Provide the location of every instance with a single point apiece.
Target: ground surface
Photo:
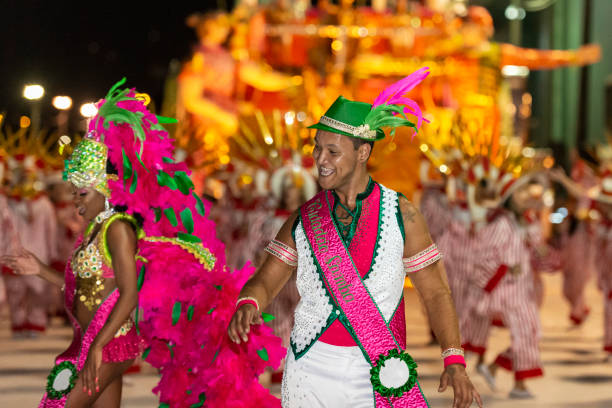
(575, 372)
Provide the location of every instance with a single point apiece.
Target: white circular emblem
(395, 373)
(62, 380)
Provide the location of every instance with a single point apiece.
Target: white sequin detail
(314, 307)
(386, 279)
(385, 282)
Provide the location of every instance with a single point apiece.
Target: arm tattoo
(410, 213)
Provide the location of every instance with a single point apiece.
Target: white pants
(327, 377)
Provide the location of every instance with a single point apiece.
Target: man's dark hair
(358, 142)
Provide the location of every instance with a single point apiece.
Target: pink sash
(346, 288)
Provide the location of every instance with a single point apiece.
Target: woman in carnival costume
(148, 273)
(352, 245)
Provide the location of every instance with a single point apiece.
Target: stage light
(62, 102)
(89, 110)
(33, 92)
(290, 118)
(515, 71)
(529, 152)
(515, 13)
(24, 122)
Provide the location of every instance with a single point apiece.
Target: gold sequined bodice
(87, 265)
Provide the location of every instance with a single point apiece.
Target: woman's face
(87, 201)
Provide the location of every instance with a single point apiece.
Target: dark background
(80, 49)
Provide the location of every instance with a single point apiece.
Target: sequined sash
(346, 287)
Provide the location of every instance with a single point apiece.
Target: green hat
(346, 117)
(365, 121)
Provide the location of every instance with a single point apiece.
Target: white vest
(385, 281)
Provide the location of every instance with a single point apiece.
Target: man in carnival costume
(352, 245)
(147, 273)
(495, 263)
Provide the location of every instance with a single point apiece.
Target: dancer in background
(33, 218)
(500, 285)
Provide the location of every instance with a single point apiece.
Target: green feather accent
(145, 353)
(267, 317)
(187, 220)
(164, 179)
(163, 119)
(134, 183)
(176, 312)
(141, 276)
(141, 162)
(168, 159)
(127, 166)
(390, 116)
(164, 405)
(263, 354)
(199, 204)
(190, 311)
(171, 348)
(110, 112)
(158, 213)
(171, 216)
(183, 182)
(200, 403)
(188, 238)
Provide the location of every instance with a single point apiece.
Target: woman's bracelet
(247, 300)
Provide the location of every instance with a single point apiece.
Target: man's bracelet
(452, 351)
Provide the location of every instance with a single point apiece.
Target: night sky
(80, 48)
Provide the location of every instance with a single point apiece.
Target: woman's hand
(22, 263)
(241, 322)
(464, 391)
(90, 373)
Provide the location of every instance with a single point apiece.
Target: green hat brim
(379, 133)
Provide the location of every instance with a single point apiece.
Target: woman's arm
(432, 285)
(122, 243)
(26, 263)
(264, 285)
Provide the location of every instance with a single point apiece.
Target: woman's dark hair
(112, 170)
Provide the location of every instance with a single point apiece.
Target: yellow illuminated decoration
(145, 98)
(287, 59)
(24, 122)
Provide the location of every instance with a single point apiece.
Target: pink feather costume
(186, 293)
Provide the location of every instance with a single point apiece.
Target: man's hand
(465, 393)
(240, 326)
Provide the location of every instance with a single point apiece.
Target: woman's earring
(106, 205)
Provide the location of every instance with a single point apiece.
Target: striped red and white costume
(543, 257)
(459, 259)
(604, 257)
(28, 295)
(497, 289)
(578, 248)
(436, 211)
(578, 258)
